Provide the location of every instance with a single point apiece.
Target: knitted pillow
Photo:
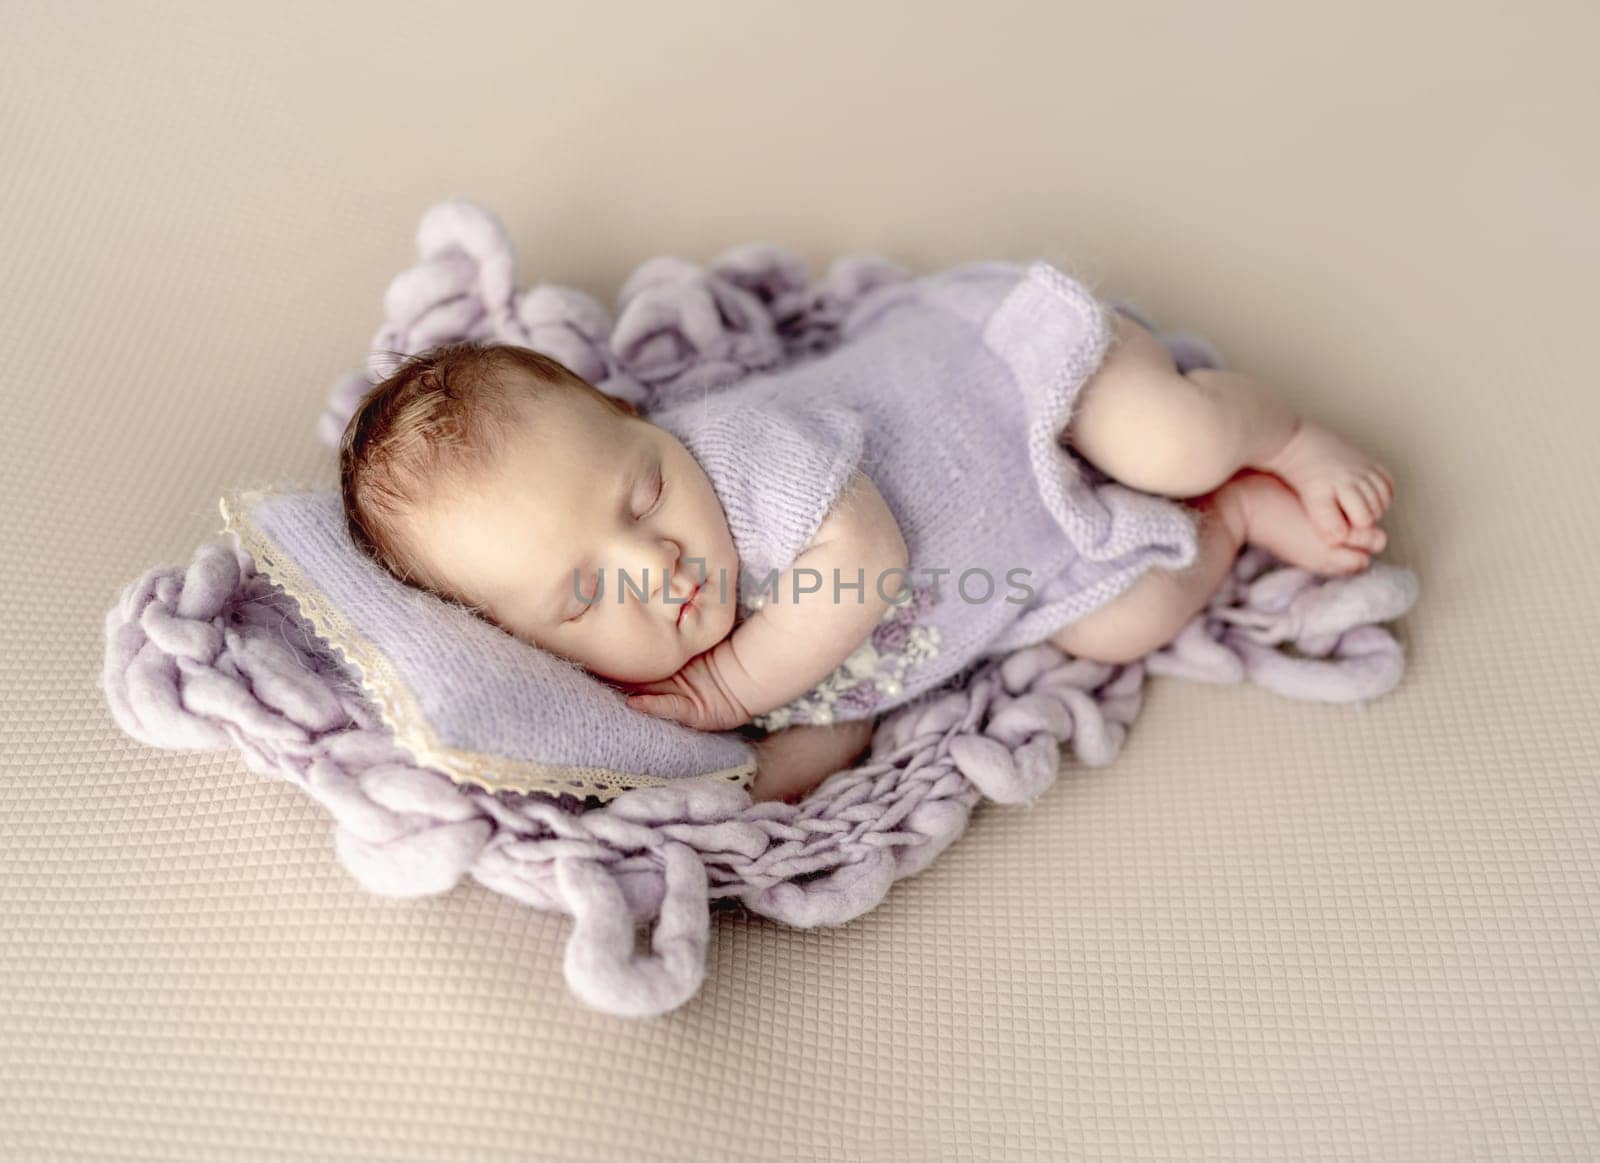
(463, 696)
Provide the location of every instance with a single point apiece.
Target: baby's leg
(1253, 507)
(1153, 428)
(793, 761)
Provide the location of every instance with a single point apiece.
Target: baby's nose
(673, 580)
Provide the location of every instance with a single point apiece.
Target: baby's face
(581, 487)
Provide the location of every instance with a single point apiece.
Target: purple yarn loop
(212, 655)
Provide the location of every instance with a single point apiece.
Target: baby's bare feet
(1271, 515)
(1344, 490)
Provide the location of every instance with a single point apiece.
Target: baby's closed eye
(584, 590)
(583, 600)
(656, 489)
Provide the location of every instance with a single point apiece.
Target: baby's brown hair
(441, 415)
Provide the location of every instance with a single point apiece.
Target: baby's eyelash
(583, 608)
(661, 489)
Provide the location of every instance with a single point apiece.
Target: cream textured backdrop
(1271, 930)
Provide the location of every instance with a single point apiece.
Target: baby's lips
(681, 601)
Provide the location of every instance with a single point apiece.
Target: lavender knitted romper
(949, 392)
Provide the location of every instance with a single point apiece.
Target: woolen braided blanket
(213, 655)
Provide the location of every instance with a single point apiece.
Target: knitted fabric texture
(461, 695)
(214, 654)
(949, 392)
(777, 466)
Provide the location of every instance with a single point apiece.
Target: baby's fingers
(664, 706)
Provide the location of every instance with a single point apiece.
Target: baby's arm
(791, 643)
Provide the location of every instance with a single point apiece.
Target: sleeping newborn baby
(495, 477)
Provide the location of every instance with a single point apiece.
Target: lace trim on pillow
(395, 703)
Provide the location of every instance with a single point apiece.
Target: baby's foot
(1345, 490)
(1273, 517)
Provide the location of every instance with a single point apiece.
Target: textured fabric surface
(777, 463)
(956, 421)
(202, 655)
(461, 695)
(1269, 930)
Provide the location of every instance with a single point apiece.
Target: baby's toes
(1346, 560)
(1384, 484)
(1372, 489)
(1372, 539)
(1356, 502)
(1326, 515)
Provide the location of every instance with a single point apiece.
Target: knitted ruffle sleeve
(777, 465)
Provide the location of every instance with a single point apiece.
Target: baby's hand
(697, 696)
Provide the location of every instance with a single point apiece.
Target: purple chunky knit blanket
(213, 655)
